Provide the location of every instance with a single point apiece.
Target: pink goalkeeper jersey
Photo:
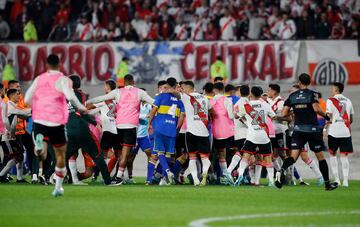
(222, 125)
(128, 107)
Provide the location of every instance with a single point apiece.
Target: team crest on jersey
(329, 71)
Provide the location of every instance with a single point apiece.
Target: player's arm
(352, 112)
(4, 116)
(229, 107)
(145, 97)
(21, 113)
(113, 95)
(30, 92)
(182, 115)
(64, 85)
(319, 111)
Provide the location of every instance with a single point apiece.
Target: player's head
(219, 88)
(53, 62)
(273, 90)
(171, 83)
(208, 89)
(219, 58)
(129, 79)
(218, 79)
(109, 86)
(13, 95)
(76, 81)
(161, 86)
(337, 88)
(256, 92)
(244, 90)
(188, 86)
(304, 80)
(230, 89)
(14, 84)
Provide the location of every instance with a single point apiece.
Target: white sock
(205, 165)
(242, 167)
(8, 166)
(223, 166)
(334, 168)
(258, 169)
(252, 174)
(187, 172)
(345, 165)
(73, 170)
(120, 172)
(193, 171)
(314, 168)
(20, 171)
(270, 171)
(277, 164)
(234, 162)
(40, 171)
(59, 177)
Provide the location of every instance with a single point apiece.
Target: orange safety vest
(21, 125)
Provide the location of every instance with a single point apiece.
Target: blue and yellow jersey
(168, 112)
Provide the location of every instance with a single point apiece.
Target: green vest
(30, 33)
(218, 68)
(122, 70)
(8, 73)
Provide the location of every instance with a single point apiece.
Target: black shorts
(279, 141)
(240, 143)
(199, 144)
(252, 148)
(127, 137)
(224, 143)
(109, 140)
(55, 135)
(12, 150)
(180, 145)
(343, 144)
(315, 140)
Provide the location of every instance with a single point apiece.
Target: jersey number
(258, 117)
(343, 108)
(172, 110)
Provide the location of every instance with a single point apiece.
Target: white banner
(260, 61)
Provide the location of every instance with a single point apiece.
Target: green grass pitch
(140, 205)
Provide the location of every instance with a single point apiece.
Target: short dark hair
(218, 78)
(244, 90)
(339, 86)
(208, 87)
(229, 87)
(161, 83)
(11, 82)
(11, 92)
(219, 86)
(128, 78)
(53, 60)
(111, 84)
(219, 58)
(319, 95)
(171, 81)
(256, 91)
(189, 83)
(275, 87)
(76, 80)
(305, 79)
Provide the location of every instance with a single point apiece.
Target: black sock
(288, 162)
(324, 169)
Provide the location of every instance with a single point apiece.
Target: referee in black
(305, 105)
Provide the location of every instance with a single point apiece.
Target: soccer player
(10, 144)
(341, 111)
(208, 90)
(161, 86)
(197, 111)
(304, 103)
(128, 100)
(222, 127)
(240, 127)
(47, 95)
(166, 118)
(257, 138)
(80, 136)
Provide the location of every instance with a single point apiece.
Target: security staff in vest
(218, 69)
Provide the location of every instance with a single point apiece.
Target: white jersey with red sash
(85, 31)
(277, 105)
(197, 113)
(197, 30)
(227, 25)
(341, 108)
(181, 32)
(255, 113)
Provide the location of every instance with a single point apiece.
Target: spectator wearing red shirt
(63, 13)
(123, 12)
(166, 28)
(334, 16)
(338, 31)
(211, 33)
(16, 10)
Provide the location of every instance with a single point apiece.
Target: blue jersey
(234, 99)
(168, 112)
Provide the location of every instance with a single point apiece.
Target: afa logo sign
(329, 71)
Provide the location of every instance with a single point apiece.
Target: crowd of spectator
(146, 20)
